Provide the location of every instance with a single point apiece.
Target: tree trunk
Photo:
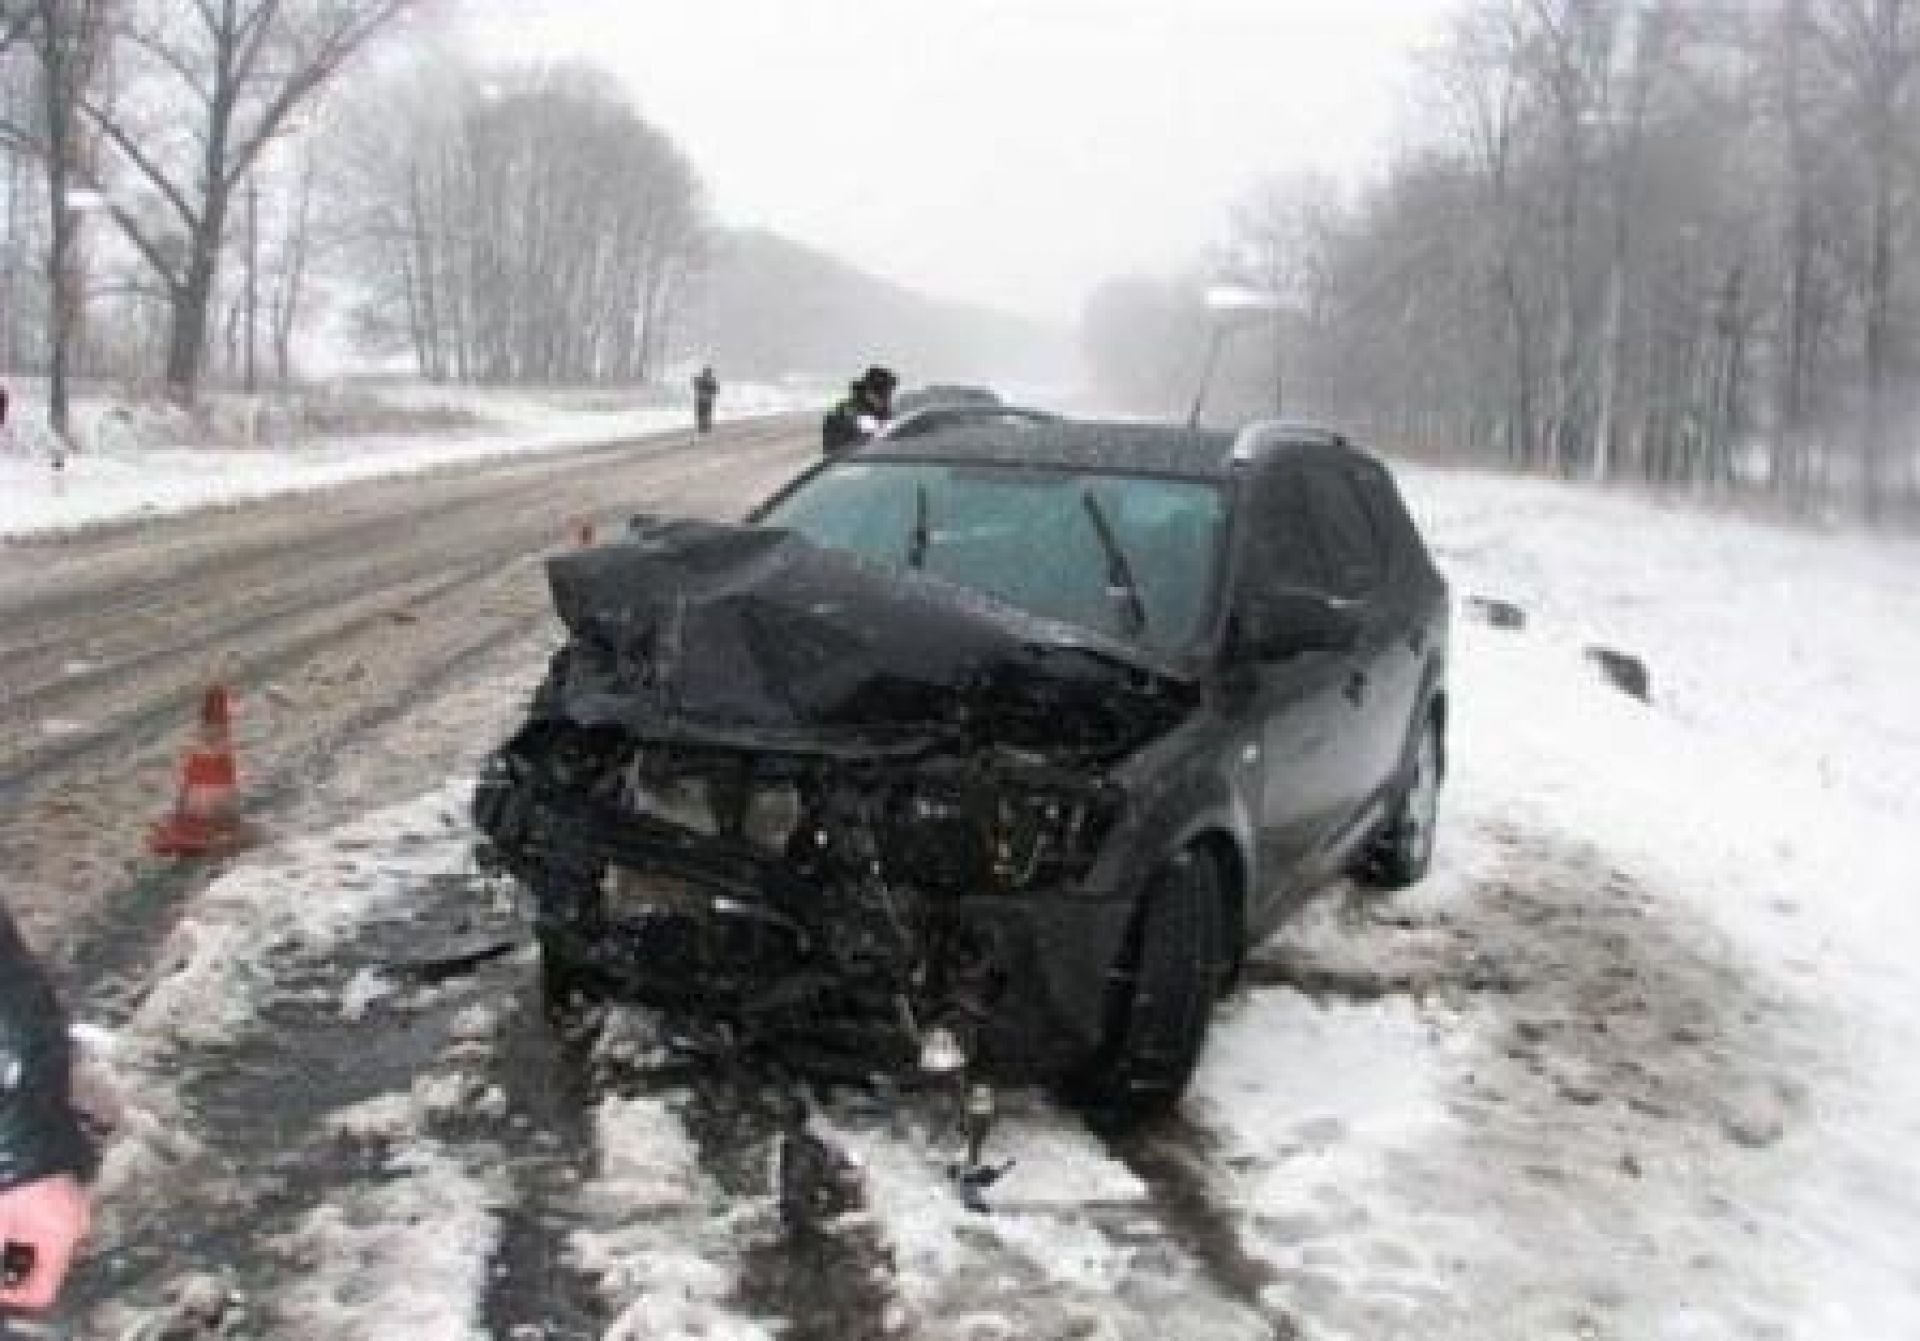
(61, 300)
(61, 60)
(1888, 65)
(1875, 425)
(192, 296)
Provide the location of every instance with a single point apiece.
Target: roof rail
(936, 417)
(1263, 435)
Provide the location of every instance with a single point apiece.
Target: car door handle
(1356, 687)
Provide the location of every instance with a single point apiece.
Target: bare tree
(64, 37)
(525, 227)
(292, 269)
(1480, 77)
(208, 84)
(1875, 45)
(1282, 241)
(1654, 235)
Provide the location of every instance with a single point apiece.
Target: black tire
(1402, 854)
(1164, 990)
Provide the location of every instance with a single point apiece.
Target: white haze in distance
(1011, 152)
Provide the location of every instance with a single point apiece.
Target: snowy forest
(1665, 240)
(185, 179)
(1671, 240)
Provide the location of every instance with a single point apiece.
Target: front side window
(1283, 548)
(1134, 557)
(1355, 562)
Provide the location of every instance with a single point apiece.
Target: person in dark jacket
(706, 390)
(867, 407)
(44, 1154)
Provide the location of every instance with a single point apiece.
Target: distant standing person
(865, 411)
(43, 1152)
(706, 390)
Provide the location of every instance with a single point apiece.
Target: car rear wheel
(1403, 853)
(1163, 992)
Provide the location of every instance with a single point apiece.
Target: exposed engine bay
(818, 902)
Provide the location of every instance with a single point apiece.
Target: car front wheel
(1163, 992)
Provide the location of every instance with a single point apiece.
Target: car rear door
(1383, 666)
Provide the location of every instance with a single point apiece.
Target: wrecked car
(992, 748)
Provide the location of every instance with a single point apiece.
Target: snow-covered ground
(140, 461)
(1765, 800)
(1637, 1061)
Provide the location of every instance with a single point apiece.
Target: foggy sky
(1012, 152)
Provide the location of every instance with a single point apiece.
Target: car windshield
(1131, 556)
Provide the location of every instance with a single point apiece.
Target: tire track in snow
(534, 1282)
(111, 950)
(820, 1268)
(1171, 1157)
(75, 824)
(1534, 1050)
(1072, 1245)
(301, 1167)
(336, 593)
(809, 1265)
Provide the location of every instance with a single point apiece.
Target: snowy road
(335, 614)
(1605, 1075)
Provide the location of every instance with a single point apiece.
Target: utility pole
(1279, 362)
(253, 283)
(10, 292)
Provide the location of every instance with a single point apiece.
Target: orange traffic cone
(206, 812)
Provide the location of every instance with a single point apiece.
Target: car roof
(1126, 446)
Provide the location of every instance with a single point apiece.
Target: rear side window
(1391, 518)
(1353, 551)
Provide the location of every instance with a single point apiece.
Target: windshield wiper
(922, 529)
(1120, 580)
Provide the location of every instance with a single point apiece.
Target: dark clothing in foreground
(40, 1134)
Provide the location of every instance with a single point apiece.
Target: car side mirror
(1277, 623)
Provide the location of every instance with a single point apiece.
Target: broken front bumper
(823, 947)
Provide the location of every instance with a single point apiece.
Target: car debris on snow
(1497, 613)
(1624, 671)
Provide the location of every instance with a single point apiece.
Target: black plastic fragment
(1624, 672)
(458, 963)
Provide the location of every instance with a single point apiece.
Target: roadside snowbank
(138, 464)
(1767, 796)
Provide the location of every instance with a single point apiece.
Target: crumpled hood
(754, 636)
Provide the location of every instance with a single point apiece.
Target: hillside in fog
(770, 307)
